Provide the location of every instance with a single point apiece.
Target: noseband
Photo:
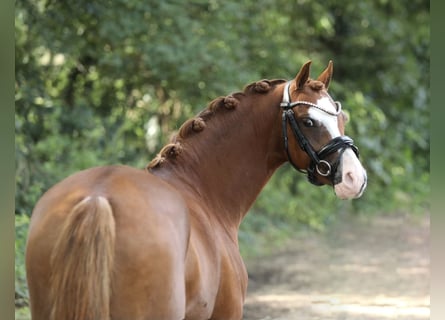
(318, 163)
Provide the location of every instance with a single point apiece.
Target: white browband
(286, 104)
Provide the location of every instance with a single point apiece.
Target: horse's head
(318, 145)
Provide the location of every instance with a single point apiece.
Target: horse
(161, 242)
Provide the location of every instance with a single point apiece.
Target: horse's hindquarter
(168, 260)
(152, 230)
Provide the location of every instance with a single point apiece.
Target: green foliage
(107, 82)
(21, 230)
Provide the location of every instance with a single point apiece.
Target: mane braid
(200, 122)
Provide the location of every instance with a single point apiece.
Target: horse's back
(151, 235)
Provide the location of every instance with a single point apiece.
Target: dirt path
(361, 269)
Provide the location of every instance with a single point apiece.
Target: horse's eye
(308, 122)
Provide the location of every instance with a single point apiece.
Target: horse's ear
(303, 75)
(326, 75)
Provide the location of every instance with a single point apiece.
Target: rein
(318, 165)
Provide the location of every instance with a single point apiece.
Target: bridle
(318, 163)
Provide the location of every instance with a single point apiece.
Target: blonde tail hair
(82, 262)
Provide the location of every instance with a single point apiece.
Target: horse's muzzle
(353, 177)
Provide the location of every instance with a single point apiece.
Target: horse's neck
(227, 164)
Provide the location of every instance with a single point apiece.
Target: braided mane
(198, 123)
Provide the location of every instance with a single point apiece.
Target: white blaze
(329, 121)
(353, 174)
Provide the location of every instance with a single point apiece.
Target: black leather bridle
(318, 163)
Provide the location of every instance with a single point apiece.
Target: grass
(22, 313)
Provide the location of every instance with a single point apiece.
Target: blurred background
(107, 82)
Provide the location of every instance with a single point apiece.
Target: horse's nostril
(349, 178)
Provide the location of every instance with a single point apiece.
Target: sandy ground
(362, 268)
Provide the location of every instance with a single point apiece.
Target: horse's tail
(82, 262)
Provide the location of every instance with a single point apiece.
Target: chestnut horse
(116, 242)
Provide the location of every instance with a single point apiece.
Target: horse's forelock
(316, 85)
